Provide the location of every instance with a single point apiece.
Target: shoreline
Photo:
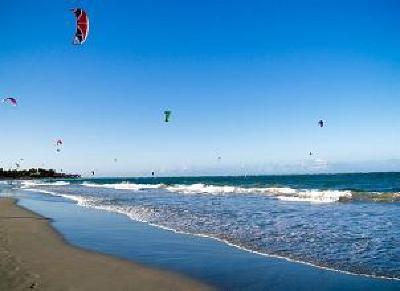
(204, 259)
(226, 242)
(37, 256)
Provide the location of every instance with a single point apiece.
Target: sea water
(344, 222)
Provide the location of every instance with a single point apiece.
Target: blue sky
(245, 80)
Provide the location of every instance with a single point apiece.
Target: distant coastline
(34, 173)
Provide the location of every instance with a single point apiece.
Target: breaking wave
(26, 184)
(286, 194)
(134, 212)
(124, 186)
(282, 193)
(318, 196)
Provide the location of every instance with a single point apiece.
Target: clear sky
(245, 80)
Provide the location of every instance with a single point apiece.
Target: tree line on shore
(34, 173)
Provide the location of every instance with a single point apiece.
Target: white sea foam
(317, 196)
(215, 189)
(80, 200)
(124, 186)
(281, 193)
(134, 212)
(26, 184)
(201, 188)
(192, 188)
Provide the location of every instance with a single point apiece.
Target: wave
(376, 196)
(26, 184)
(216, 189)
(133, 212)
(286, 194)
(124, 186)
(317, 196)
(80, 200)
(282, 193)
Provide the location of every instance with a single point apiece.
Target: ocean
(344, 222)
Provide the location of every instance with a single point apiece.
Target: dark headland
(33, 173)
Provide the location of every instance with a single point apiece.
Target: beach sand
(33, 255)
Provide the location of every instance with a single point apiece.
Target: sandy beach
(34, 255)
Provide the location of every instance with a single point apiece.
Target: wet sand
(34, 256)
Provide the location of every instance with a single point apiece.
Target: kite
(321, 123)
(167, 114)
(82, 26)
(59, 143)
(10, 100)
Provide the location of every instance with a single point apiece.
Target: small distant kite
(115, 160)
(321, 123)
(93, 173)
(10, 100)
(167, 115)
(310, 154)
(82, 26)
(219, 158)
(59, 143)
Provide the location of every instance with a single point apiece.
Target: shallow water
(205, 259)
(347, 222)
